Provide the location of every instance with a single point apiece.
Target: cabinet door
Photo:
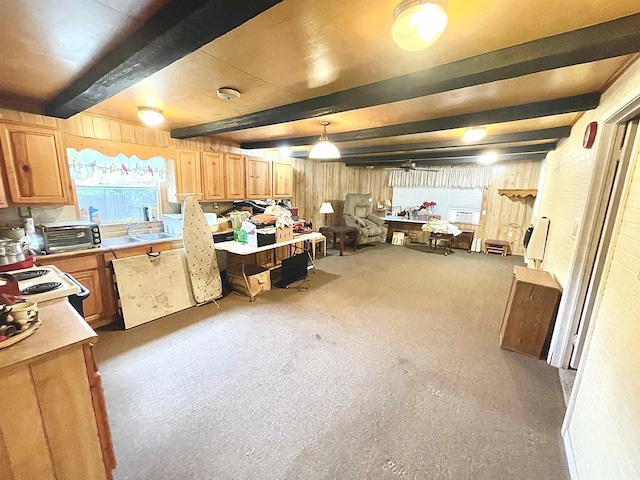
(258, 178)
(282, 179)
(92, 305)
(213, 175)
(188, 173)
(36, 165)
(235, 181)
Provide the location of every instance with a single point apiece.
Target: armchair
(358, 213)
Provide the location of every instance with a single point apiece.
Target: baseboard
(571, 461)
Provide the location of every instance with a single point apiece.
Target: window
(454, 204)
(119, 188)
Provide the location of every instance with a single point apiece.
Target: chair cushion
(374, 231)
(368, 223)
(360, 222)
(375, 219)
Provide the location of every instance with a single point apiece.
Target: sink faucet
(131, 228)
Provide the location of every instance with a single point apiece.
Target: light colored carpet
(387, 368)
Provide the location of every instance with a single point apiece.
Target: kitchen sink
(157, 236)
(112, 242)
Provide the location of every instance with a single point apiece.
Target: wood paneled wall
(505, 214)
(315, 182)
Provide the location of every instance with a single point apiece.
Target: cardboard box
(284, 234)
(259, 279)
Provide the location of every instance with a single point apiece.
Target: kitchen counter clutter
(57, 426)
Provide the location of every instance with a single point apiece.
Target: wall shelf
(517, 192)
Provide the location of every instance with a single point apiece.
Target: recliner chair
(358, 213)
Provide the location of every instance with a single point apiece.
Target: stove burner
(30, 274)
(40, 288)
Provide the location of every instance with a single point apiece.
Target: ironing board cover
(200, 253)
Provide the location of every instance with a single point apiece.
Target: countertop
(61, 327)
(105, 249)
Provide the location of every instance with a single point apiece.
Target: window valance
(451, 177)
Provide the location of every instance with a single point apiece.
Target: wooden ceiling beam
(454, 160)
(598, 42)
(176, 30)
(467, 152)
(556, 106)
(556, 133)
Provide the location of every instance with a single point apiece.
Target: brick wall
(604, 429)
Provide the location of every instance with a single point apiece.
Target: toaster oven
(67, 236)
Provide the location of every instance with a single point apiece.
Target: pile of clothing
(274, 215)
(441, 226)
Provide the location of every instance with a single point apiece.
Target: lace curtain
(451, 177)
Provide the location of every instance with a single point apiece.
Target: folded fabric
(441, 226)
(283, 216)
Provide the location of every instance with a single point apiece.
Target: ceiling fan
(411, 166)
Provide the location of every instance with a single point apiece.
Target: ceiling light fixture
(418, 23)
(487, 158)
(150, 116)
(227, 93)
(324, 149)
(474, 134)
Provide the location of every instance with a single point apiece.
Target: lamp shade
(326, 208)
(324, 149)
(150, 116)
(418, 23)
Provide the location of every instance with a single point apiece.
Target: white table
(237, 248)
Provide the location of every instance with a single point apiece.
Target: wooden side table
(464, 240)
(316, 239)
(445, 238)
(343, 233)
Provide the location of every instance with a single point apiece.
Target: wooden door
(282, 179)
(213, 175)
(235, 176)
(92, 305)
(258, 178)
(36, 165)
(188, 173)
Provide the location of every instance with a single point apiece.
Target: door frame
(588, 237)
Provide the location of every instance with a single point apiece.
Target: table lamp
(326, 208)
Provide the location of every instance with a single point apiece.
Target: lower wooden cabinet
(54, 423)
(93, 270)
(530, 313)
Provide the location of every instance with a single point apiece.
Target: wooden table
(464, 240)
(444, 237)
(343, 233)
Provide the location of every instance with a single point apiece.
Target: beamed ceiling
(525, 70)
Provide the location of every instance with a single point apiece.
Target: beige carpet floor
(387, 368)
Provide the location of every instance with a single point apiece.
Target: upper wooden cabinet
(258, 178)
(213, 170)
(36, 165)
(188, 173)
(235, 176)
(282, 179)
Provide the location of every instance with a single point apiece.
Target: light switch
(510, 234)
(484, 212)
(574, 232)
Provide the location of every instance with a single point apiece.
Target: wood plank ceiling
(524, 70)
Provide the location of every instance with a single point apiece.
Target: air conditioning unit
(464, 217)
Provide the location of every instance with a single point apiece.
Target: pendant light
(474, 134)
(150, 116)
(324, 149)
(418, 23)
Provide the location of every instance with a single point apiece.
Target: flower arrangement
(427, 208)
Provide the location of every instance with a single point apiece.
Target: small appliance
(67, 236)
(39, 284)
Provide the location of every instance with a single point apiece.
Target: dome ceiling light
(150, 116)
(229, 94)
(418, 23)
(324, 149)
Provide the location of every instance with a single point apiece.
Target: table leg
(342, 236)
(246, 281)
(324, 243)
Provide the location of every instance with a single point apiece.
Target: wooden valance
(518, 192)
(113, 149)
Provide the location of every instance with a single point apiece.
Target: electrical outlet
(484, 212)
(510, 234)
(574, 232)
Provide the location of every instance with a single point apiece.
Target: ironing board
(200, 253)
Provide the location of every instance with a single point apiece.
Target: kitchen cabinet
(258, 178)
(35, 163)
(282, 179)
(188, 174)
(235, 176)
(85, 269)
(57, 427)
(530, 312)
(213, 173)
